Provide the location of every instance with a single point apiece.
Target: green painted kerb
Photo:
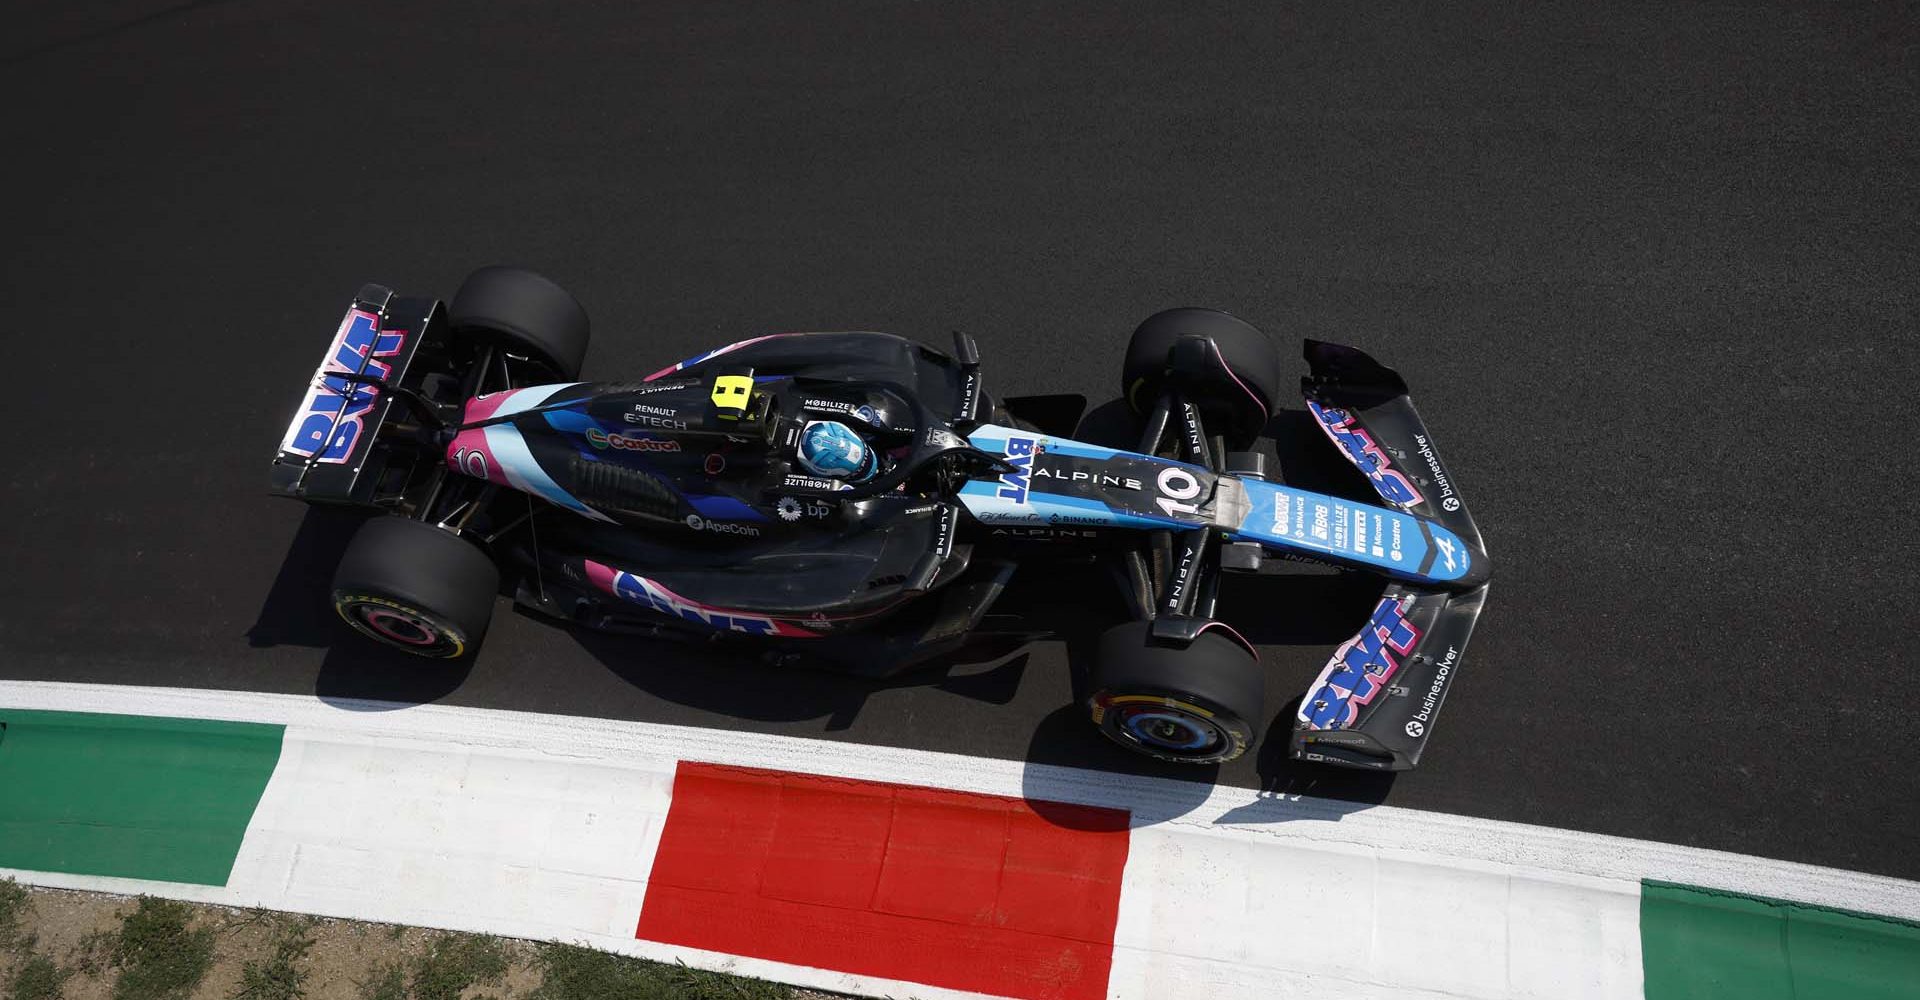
(128, 795)
(1698, 944)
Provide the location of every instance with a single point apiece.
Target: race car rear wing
(1374, 703)
(328, 453)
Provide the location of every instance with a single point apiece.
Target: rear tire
(416, 587)
(1191, 705)
(1238, 406)
(525, 313)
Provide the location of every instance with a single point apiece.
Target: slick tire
(1193, 705)
(416, 587)
(1240, 402)
(527, 314)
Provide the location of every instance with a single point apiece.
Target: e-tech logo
(626, 442)
(1013, 485)
(330, 421)
(641, 590)
(1361, 667)
(1366, 456)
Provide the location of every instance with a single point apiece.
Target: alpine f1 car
(861, 498)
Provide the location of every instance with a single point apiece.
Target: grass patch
(453, 963)
(386, 981)
(571, 972)
(159, 954)
(280, 977)
(13, 904)
(38, 978)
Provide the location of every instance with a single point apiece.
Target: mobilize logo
(627, 442)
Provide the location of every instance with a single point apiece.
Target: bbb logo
(1361, 667)
(1013, 485)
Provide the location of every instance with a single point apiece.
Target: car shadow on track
(729, 679)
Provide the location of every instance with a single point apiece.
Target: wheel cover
(1171, 729)
(399, 625)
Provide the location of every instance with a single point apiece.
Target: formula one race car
(862, 499)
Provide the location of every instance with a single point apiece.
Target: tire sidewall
(417, 574)
(525, 312)
(1247, 400)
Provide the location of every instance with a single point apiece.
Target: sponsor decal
(698, 523)
(1430, 703)
(1181, 577)
(1361, 667)
(969, 393)
(819, 484)
(656, 422)
(1445, 547)
(628, 442)
(1190, 423)
(795, 508)
(943, 534)
(1013, 485)
(1389, 482)
(641, 590)
(858, 411)
(818, 622)
(1448, 501)
(658, 411)
(333, 416)
(1045, 534)
(1075, 475)
(715, 464)
(1075, 519)
(1415, 727)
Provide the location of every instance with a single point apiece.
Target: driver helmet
(832, 449)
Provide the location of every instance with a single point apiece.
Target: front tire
(1192, 705)
(526, 313)
(1241, 402)
(416, 587)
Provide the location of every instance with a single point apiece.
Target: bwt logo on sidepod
(1388, 481)
(641, 590)
(330, 422)
(1360, 668)
(1013, 485)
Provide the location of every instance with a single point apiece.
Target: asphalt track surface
(1650, 270)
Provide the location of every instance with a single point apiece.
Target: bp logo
(1414, 728)
(789, 509)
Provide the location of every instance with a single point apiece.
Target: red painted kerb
(970, 892)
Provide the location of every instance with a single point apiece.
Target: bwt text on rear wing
(328, 452)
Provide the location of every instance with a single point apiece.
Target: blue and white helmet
(832, 449)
